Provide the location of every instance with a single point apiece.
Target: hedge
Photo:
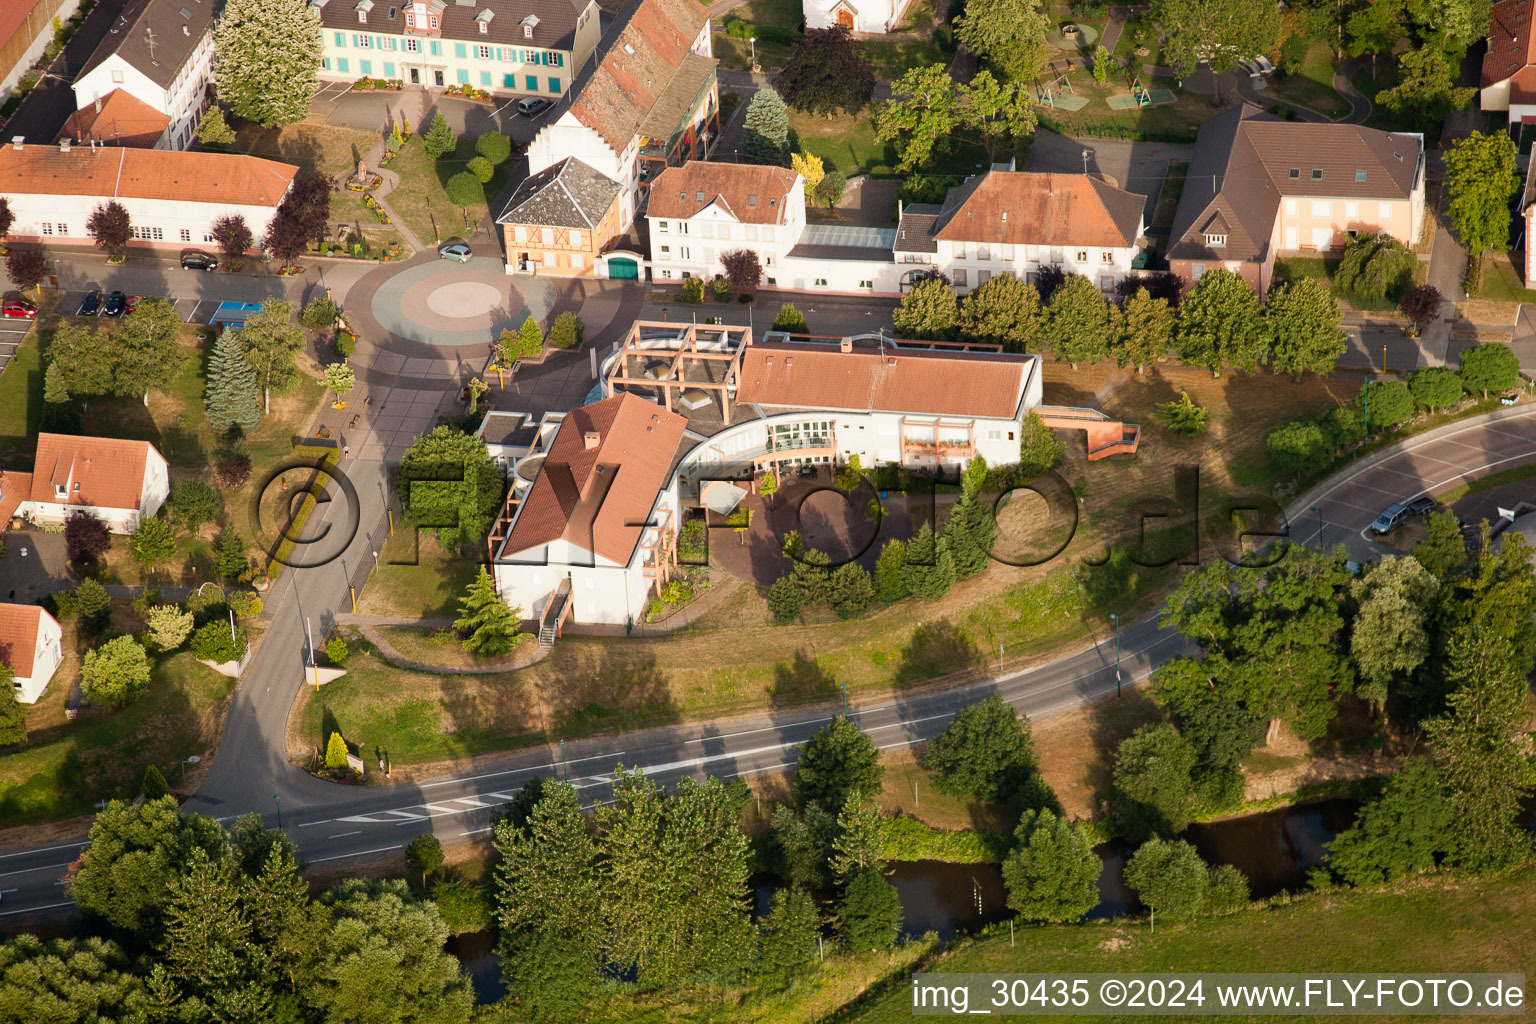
(910, 839)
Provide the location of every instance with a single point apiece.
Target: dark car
(91, 304)
(1423, 505)
(1393, 515)
(196, 259)
(114, 305)
(19, 309)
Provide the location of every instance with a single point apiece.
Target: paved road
(335, 823)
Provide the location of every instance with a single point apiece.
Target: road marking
(514, 771)
(9, 890)
(476, 831)
(195, 306)
(33, 910)
(343, 835)
(45, 849)
(360, 853)
(28, 871)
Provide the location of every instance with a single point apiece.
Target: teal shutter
(458, 50)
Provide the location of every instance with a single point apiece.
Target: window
(208, 238)
(554, 85)
(578, 261)
(482, 50)
(1351, 211)
(341, 40)
(362, 17)
(666, 251)
(751, 232)
(463, 76)
(186, 235)
(1317, 174)
(1359, 175)
(410, 20)
(821, 282)
(1106, 257)
(666, 273)
(435, 48)
(509, 81)
(533, 83)
(548, 235)
(485, 79)
(960, 279)
(1082, 255)
(682, 251)
(389, 69)
(867, 284)
(1294, 174)
(432, 21)
(1322, 209)
(459, 50)
(1007, 252)
(484, 28)
(661, 226)
(413, 46)
(362, 42)
(511, 55)
(983, 276)
(575, 237)
(47, 228)
(148, 234)
(117, 76)
(983, 251)
(527, 31)
(1197, 271)
(706, 231)
(365, 67)
(1057, 254)
(1216, 241)
(1384, 211)
(959, 250)
(520, 234)
(1292, 208)
(341, 64)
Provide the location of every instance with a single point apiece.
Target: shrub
(790, 319)
(567, 331)
(115, 673)
(721, 289)
(319, 312)
(234, 470)
(1299, 448)
(213, 642)
(481, 168)
(346, 344)
(336, 651)
(693, 290)
(193, 503)
(154, 786)
(784, 599)
(464, 907)
(1184, 417)
(245, 604)
(336, 751)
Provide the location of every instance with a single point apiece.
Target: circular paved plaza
(457, 304)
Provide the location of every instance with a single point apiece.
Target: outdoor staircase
(554, 613)
(1105, 436)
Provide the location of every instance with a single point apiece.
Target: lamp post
(564, 768)
(1085, 161)
(277, 799)
(1116, 620)
(844, 687)
(194, 759)
(1314, 508)
(753, 41)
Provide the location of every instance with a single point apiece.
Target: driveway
(1136, 166)
(370, 109)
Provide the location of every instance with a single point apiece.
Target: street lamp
(1116, 620)
(277, 799)
(194, 759)
(1085, 161)
(753, 41)
(844, 687)
(1314, 508)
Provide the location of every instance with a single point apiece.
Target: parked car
(455, 251)
(196, 259)
(91, 305)
(1393, 515)
(114, 304)
(532, 106)
(19, 309)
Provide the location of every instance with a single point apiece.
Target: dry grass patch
(313, 145)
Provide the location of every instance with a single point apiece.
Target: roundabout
(454, 305)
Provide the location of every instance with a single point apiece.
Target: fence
(1079, 130)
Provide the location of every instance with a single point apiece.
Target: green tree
(850, 590)
(990, 28)
(1077, 320)
(213, 131)
(787, 947)
(1390, 636)
(114, 674)
(268, 52)
(1299, 448)
(1184, 417)
(1480, 179)
(1375, 28)
(1154, 785)
(84, 356)
(92, 603)
(271, 341)
(1402, 831)
(153, 784)
(384, 960)
(986, 752)
(464, 190)
(67, 981)
(1000, 114)
(567, 331)
(1490, 366)
(13, 714)
(1219, 32)
(928, 311)
(1052, 874)
(1374, 267)
(859, 840)
(1302, 322)
(1385, 403)
(1426, 92)
(319, 313)
(153, 542)
(284, 924)
(765, 129)
(889, 580)
(208, 948)
(1040, 450)
(232, 397)
(134, 854)
(971, 531)
(921, 116)
(490, 627)
(1435, 387)
(448, 483)
(193, 503)
(59, 413)
(495, 147)
(1220, 323)
(229, 556)
(1004, 311)
(785, 599)
(438, 141)
(252, 844)
(826, 73)
(336, 751)
(929, 569)
(1169, 877)
(147, 356)
(869, 914)
(837, 761)
(1141, 330)
(790, 319)
(214, 641)
(801, 844)
(424, 855)
(1442, 551)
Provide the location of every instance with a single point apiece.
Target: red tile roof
(597, 498)
(15, 488)
(18, 636)
(753, 193)
(121, 119)
(1510, 41)
(930, 382)
(104, 472)
(1025, 207)
(125, 173)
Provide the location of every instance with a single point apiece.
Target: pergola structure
(675, 361)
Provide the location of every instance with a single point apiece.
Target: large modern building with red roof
(172, 197)
(31, 644)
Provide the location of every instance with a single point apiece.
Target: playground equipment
(1139, 92)
(1058, 81)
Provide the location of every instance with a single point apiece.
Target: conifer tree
(336, 751)
(491, 627)
(929, 568)
(971, 532)
(233, 397)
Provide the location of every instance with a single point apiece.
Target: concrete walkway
(399, 660)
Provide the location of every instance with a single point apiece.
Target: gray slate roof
(556, 28)
(914, 232)
(162, 21)
(569, 194)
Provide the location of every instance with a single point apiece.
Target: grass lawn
(1292, 268)
(441, 646)
(1501, 280)
(21, 404)
(422, 580)
(1174, 121)
(736, 54)
(1437, 923)
(735, 662)
(1313, 85)
(893, 58)
(312, 145)
(65, 767)
(848, 143)
(421, 200)
(1168, 198)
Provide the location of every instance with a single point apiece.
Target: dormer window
(1216, 241)
(484, 28)
(751, 200)
(529, 24)
(410, 20)
(698, 197)
(432, 21)
(362, 17)
(527, 31)
(60, 491)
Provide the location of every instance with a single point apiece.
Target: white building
(855, 15)
(31, 644)
(119, 481)
(592, 519)
(646, 101)
(153, 68)
(700, 211)
(1015, 222)
(172, 197)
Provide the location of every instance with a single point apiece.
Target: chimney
(846, 345)
(591, 439)
(17, 140)
(98, 104)
(63, 145)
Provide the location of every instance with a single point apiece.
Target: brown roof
(1242, 167)
(1510, 41)
(124, 173)
(18, 636)
(752, 193)
(105, 472)
(598, 498)
(120, 118)
(555, 28)
(15, 488)
(155, 37)
(645, 49)
(924, 381)
(1025, 207)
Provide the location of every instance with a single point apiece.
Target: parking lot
(191, 310)
(11, 333)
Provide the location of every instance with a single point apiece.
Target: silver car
(456, 251)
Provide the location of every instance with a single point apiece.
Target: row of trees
(1218, 323)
